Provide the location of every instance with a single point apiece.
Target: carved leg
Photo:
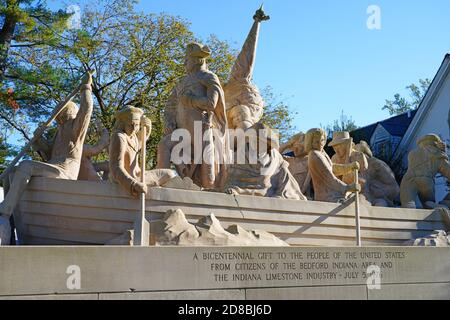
(164, 153)
(20, 180)
(408, 194)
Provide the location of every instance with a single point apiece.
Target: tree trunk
(6, 35)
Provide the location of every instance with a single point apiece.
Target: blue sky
(321, 57)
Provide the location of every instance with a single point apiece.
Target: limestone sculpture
(345, 157)
(124, 153)
(438, 238)
(381, 187)
(5, 231)
(327, 187)
(429, 159)
(244, 103)
(88, 169)
(66, 150)
(198, 98)
(175, 230)
(298, 164)
(269, 176)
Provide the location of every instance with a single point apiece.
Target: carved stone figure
(124, 153)
(65, 152)
(446, 201)
(88, 169)
(327, 187)
(381, 188)
(438, 238)
(429, 159)
(345, 157)
(244, 103)
(5, 231)
(197, 98)
(298, 164)
(269, 176)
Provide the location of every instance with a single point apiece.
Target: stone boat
(62, 212)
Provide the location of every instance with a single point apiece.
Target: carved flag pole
(142, 238)
(357, 218)
(58, 109)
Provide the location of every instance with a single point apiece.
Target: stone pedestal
(224, 273)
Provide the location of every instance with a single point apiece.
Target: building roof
(425, 105)
(396, 126)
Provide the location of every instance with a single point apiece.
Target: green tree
(26, 24)
(344, 123)
(137, 57)
(3, 155)
(401, 105)
(277, 114)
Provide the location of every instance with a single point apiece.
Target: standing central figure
(197, 101)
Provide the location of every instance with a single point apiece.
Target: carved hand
(231, 191)
(354, 187)
(260, 15)
(147, 123)
(138, 188)
(355, 165)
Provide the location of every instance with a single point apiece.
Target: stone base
(224, 273)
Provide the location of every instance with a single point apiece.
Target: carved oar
(58, 109)
(141, 224)
(357, 219)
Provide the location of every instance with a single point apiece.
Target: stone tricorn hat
(339, 137)
(197, 50)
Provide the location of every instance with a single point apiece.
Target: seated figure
(327, 187)
(124, 150)
(65, 152)
(269, 176)
(298, 164)
(89, 170)
(345, 157)
(381, 188)
(429, 159)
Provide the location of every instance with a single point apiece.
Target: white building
(432, 116)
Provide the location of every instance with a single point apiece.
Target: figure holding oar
(66, 150)
(347, 159)
(131, 132)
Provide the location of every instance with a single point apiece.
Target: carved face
(318, 141)
(298, 147)
(192, 64)
(132, 127)
(237, 117)
(340, 149)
